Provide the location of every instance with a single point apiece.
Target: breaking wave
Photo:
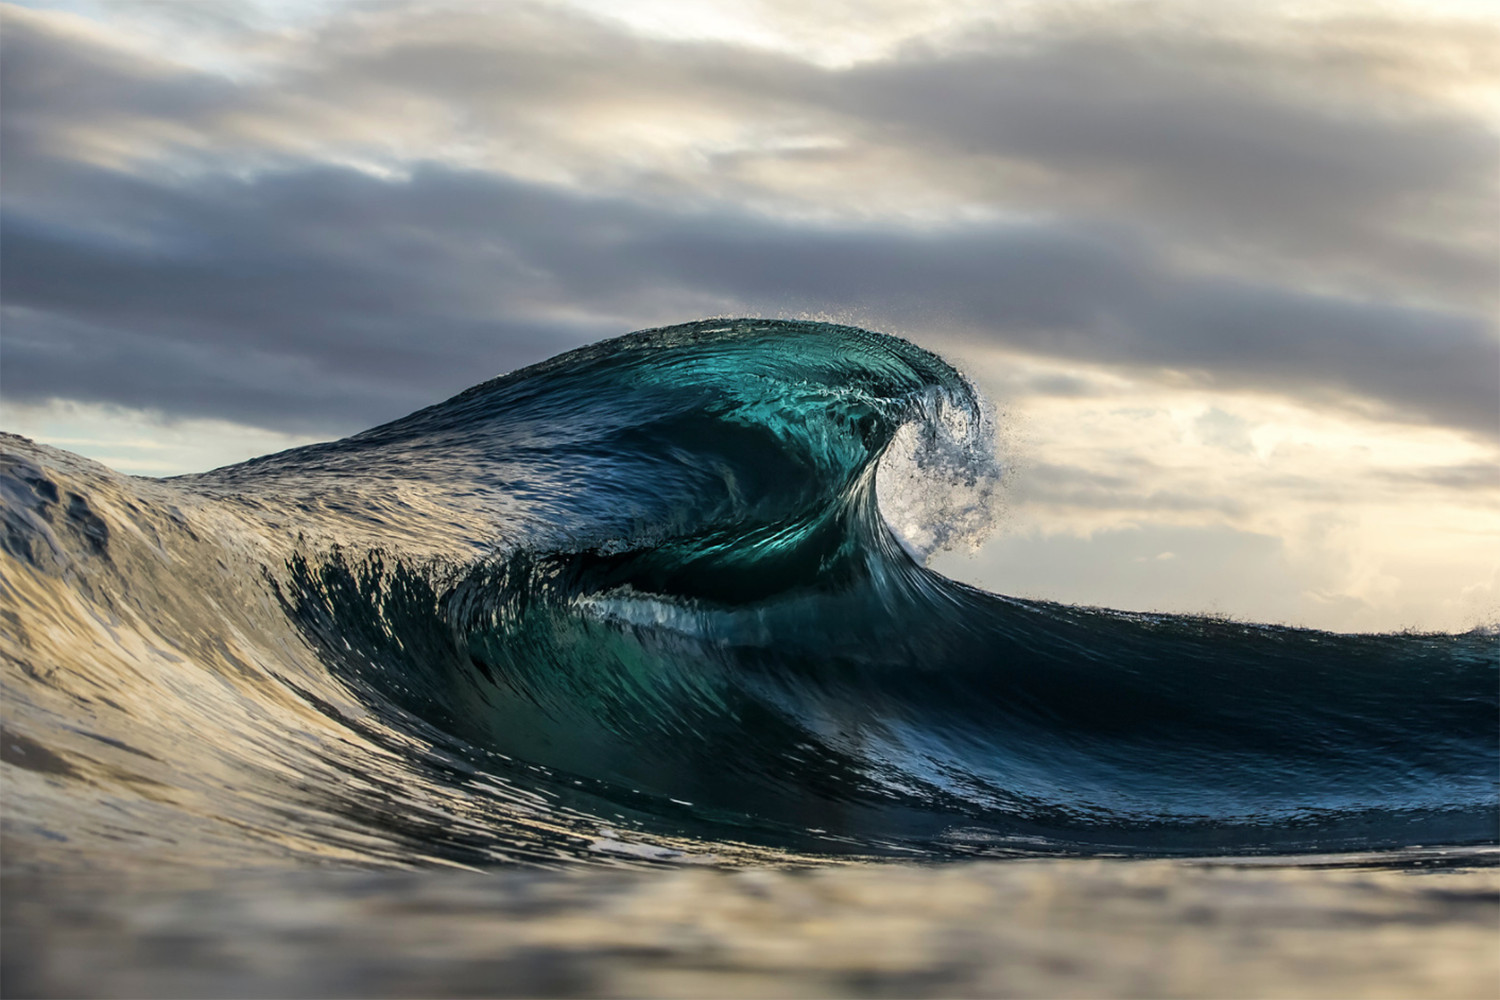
(642, 601)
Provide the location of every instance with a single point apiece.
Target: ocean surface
(662, 602)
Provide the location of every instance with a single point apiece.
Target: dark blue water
(644, 593)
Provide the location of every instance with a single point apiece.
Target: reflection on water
(990, 929)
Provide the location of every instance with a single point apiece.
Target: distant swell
(641, 600)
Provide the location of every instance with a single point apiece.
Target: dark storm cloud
(176, 240)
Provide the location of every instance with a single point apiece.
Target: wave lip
(650, 584)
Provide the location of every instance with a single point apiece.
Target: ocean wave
(664, 598)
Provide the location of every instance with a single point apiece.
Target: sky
(1229, 273)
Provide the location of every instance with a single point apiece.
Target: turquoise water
(643, 601)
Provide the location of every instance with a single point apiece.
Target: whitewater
(643, 605)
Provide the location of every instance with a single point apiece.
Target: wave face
(641, 600)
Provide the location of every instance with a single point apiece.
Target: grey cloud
(293, 292)
(1270, 152)
(417, 282)
(52, 356)
(1153, 123)
(290, 303)
(1475, 476)
(54, 82)
(1063, 486)
(1056, 386)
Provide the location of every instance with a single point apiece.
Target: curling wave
(641, 599)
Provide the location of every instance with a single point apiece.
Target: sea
(625, 674)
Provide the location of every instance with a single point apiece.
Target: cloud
(282, 302)
(389, 203)
(418, 284)
(1482, 477)
(1252, 140)
(1056, 486)
(1299, 145)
